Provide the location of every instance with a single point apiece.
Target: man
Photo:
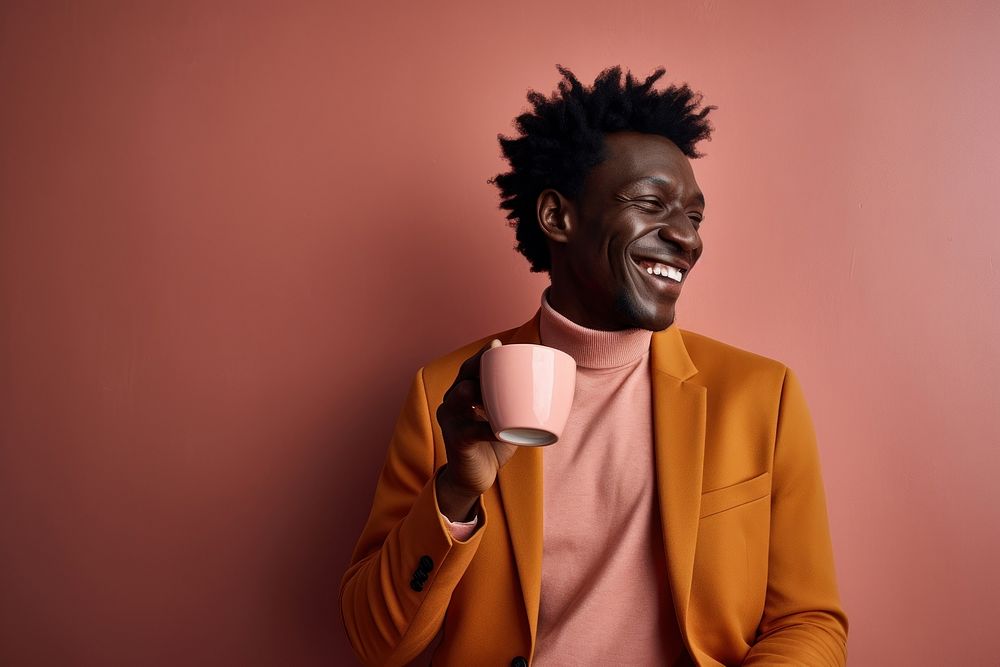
(681, 517)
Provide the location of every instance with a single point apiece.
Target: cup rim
(547, 347)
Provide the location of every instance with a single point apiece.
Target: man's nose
(680, 233)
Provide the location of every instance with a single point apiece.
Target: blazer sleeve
(406, 564)
(803, 622)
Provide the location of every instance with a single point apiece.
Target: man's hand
(474, 455)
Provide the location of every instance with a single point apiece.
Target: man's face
(634, 234)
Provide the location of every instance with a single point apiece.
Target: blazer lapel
(520, 482)
(679, 412)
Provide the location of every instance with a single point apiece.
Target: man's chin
(640, 314)
(657, 323)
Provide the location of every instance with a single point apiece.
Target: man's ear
(556, 215)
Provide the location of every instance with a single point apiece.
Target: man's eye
(648, 205)
(696, 219)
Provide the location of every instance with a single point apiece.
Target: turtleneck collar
(591, 348)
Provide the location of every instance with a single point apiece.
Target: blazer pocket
(734, 495)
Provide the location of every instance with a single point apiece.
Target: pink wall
(229, 237)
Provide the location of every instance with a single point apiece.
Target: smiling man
(680, 519)
(621, 253)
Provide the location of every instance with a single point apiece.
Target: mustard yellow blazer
(747, 545)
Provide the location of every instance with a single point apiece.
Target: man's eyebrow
(651, 179)
(698, 196)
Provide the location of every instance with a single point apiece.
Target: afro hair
(562, 138)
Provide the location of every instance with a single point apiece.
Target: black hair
(562, 139)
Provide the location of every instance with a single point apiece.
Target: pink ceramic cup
(527, 392)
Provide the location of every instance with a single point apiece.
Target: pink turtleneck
(604, 595)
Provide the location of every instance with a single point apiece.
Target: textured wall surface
(230, 234)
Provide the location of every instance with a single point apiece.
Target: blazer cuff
(432, 563)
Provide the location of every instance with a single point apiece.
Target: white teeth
(666, 270)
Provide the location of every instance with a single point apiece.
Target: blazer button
(416, 585)
(426, 563)
(420, 576)
(519, 661)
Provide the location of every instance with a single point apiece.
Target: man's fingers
(470, 367)
(463, 414)
(479, 413)
(462, 405)
(462, 395)
(477, 432)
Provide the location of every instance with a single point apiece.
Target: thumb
(495, 343)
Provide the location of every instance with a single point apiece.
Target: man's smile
(665, 270)
(665, 279)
